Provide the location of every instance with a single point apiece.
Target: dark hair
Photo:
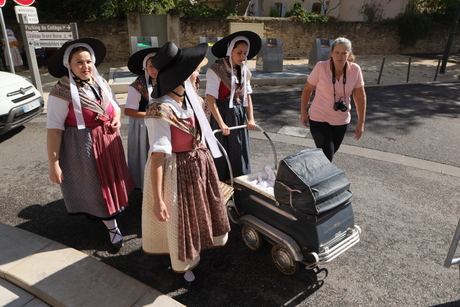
(77, 49)
(239, 42)
(238, 67)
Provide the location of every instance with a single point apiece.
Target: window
(316, 7)
(280, 7)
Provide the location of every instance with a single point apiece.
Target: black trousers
(327, 137)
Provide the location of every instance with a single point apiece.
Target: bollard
(408, 70)
(437, 69)
(381, 69)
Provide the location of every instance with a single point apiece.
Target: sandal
(119, 244)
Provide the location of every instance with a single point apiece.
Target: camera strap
(344, 80)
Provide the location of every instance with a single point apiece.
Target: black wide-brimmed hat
(137, 59)
(55, 65)
(219, 49)
(175, 66)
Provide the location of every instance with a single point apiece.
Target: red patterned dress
(191, 189)
(97, 180)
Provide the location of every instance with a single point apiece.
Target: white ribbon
(207, 135)
(244, 66)
(73, 86)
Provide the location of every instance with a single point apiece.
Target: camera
(340, 105)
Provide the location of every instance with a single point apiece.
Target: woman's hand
(160, 211)
(115, 123)
(224, 128)
(359, 130)
(305, 103)
(304, 119)
(251, 124)
(55, 173)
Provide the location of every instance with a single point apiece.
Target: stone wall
(114, 34)
(297, 38)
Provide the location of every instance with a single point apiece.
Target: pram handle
(224, 152)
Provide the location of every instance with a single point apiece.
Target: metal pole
(31, 58)
(74, 29)
(453, 247)
(408, 69)
(7, 44)
(453, 28)
(437, 69)
(381, 69)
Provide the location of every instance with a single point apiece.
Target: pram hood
(322, 185)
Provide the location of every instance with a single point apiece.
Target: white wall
(348, 10)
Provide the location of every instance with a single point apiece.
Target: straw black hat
(57, 69)
(175, 66)
(136, 60)
(219, 49)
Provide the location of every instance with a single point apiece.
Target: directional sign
(49, 27)
(49, 35)
(49, 44)
(29, 14)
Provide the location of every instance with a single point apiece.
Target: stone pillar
(134, 24)
(173, 27)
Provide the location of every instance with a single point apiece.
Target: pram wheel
(283, 260)
(251, 238)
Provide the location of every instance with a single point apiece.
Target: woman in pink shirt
(328, 115)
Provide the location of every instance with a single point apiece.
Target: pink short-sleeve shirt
(322, 107)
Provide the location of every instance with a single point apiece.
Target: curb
(62, 276)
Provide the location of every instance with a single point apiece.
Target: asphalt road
(408, 215)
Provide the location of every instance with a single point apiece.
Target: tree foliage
(440, 11)
(300, 14)
(201, 9)
(412, 25)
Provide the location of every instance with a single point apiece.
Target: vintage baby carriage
(307, 216)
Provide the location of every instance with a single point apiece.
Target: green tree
(300, 14)
(440, 11)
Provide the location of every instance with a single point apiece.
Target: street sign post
(44, 36)
(29, 14)
(2, 21)
(44, 27)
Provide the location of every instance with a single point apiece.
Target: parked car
(20, 101)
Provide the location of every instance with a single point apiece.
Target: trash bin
(270, 56)
(142, 42)
(319, 51)
(211, 58)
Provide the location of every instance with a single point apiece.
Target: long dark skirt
(236, 143)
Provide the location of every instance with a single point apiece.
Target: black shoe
(193, 285)
(118, 244)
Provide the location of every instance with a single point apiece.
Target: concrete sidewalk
(36, 271)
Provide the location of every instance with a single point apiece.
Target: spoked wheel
(283, 260)
(251, 238)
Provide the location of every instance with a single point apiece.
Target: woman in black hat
(85, 151)
(183, 210)
(138, 97)
(228, 93)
